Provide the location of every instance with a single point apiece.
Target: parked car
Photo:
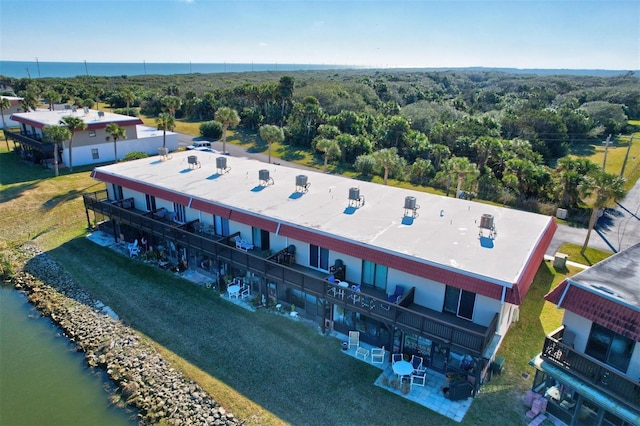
(201, 146)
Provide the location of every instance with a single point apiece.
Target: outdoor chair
(134, 249)
(395, 358)
(418, 379)
(377, 355)
(418, 364)
(395, 297)
(354, 339)
(243, 244)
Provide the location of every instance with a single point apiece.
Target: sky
(552, 34)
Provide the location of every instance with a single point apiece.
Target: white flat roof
(445, 233)
(52, 118)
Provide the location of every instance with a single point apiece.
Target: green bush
(211, 129)
(131, 112)
(135, 155)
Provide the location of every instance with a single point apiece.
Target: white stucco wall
(82, 154)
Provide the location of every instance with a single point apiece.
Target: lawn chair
(396, 357)
(395, 297)
(134, 249)
(243, 244)
(418, 364)
(418, 379)
(354, 339)
(377, 355)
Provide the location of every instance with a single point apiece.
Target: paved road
(617, 229)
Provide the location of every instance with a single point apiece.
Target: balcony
(404, 315)
(589, 370)
(32, 140)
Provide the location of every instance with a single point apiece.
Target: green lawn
(265, 368)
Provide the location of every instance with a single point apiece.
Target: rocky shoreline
(143, 379)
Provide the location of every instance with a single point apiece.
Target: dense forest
(493, 135)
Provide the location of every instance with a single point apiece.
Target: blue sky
(602, 34)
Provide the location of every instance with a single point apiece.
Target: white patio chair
(354, 339)
(418, 379)
(134, 249)
(395, 358)
(378, 355)
(243, 244)
(418, 364)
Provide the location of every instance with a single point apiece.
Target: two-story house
(90, 146)
(417, 273)
(589, 369)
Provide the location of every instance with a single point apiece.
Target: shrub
(132, 112)
(365, 164)
(135, 155)
(211, 129)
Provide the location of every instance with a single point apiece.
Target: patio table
(234, 291)
(403, 368)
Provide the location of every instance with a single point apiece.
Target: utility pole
(626, 156)
(86, 70)
(38, 65)
(606, 149)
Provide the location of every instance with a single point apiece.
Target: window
(609, 347)
(117, 192)
(319, 257)
(374, 275)
(181, 215)
(151, 202)
(94, 154)
(92, 133)
(222, 225)
(459, 302)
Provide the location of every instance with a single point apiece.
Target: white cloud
(262, 44)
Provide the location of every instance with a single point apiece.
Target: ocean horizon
(40, 69)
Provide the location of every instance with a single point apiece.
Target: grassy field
(590, 257)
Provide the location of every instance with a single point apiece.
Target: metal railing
(397, 315)
(594, 372)
(29, 140)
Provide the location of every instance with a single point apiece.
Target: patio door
(440, 353)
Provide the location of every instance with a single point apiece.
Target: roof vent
(86, 110)
(265, 180)
(221, 165)
(410, 207)
(355, 199)
(486, 222)
(193, 162)
(302, 183)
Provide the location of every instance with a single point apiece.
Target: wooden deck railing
(374, 306)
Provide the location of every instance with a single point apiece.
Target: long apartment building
(417, 273)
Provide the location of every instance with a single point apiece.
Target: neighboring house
(589, 369)
(91, 146)
(16, 106)
(306, 238)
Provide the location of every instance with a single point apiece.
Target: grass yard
(265, 368)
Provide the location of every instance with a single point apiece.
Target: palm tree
(51, 96)
(228, 117)
(172, 103)
(74, 124)
(128, 97)
(56, 134)
(387, 158)
(599, 190)
(29, 101)
(271, 134)
(459, 168)
(329, 149)
(4, 105)
(165, 122)
(116, 133)
(285, 90)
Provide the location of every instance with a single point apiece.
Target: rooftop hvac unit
(193, 162)
(354, 194)
(302, 184)
(263, 175)
(164, 153)
(486, 221)
(221, 165)
(100, 114)
(86, 110)
(410, 206)
(355, 199)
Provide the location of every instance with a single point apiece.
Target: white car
(201, 146)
